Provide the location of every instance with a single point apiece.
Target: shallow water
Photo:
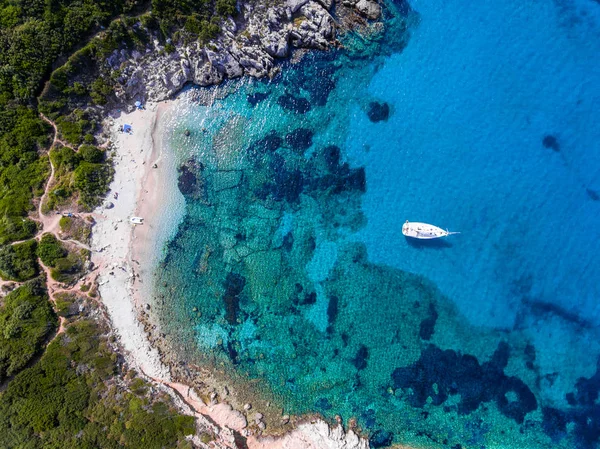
(290, 265)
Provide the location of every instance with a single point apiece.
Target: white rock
(369, 8)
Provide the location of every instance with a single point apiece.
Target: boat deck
(423, 231)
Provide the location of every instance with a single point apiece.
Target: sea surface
(289, 265)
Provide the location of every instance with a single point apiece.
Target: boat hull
(423, 231)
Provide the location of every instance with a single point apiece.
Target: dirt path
(51, 224)
(56, 139)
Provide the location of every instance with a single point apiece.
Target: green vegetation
(66, 266)
(36, 35)
(82, 173)
(22, 171)
(75, 228)
(26, 321)
(92, 181)
(73, 399)
(19, 262)
(68, 269)
(50, 250)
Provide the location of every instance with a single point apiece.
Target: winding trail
(51, 224)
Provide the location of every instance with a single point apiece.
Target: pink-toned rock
(225, 416)
(313, 435)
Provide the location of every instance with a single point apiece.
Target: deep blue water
(289, 264)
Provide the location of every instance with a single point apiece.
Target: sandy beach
(113, 234)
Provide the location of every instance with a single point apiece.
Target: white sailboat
(424, 231)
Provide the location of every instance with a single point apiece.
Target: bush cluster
(65, 266)
(18, 262)
(26, 320)
(72, 399)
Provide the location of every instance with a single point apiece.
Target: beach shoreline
(126, 255)
(112, 235)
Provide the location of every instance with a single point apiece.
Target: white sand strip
(112, 236)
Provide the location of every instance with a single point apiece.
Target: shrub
(26, 319)
(92, 181)
(226, 7)
(90, 153)
(65, 401)
(19, 262)
(50, 250)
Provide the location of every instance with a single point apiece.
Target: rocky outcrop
(312, 435)
(248, 47)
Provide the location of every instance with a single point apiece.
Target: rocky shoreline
(250, 45)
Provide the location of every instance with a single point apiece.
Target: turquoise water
(290, 266)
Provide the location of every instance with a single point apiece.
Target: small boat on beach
(424, 231)
(137, 220)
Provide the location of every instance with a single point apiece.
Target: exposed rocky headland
(248, 45)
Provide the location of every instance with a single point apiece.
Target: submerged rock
(300, 139)
(234, 284)
(381, 438)
(332, 156)
(268, 144)
(187, 180)
(592, 194)
(551, 142)
(345, 179)
(378, 112)
(287, 185)
(257, 97)
(298, 105)
(360, 360)
(403, 6)
(453, 373)
(332, 311)
(427, 326)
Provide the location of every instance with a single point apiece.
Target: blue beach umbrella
(127, 128)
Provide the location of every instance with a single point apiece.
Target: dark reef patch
(187, 180)
(298, 105)
(554, 423)
(315, 76)
(592, 194)
(257, 97)
(428, 324)
(584, 414)
(551, 142)
(234, 284)
(345, 179)
(530, 356)
(319, 87)
(378, 112)
(288, 185)
(300, 139)
(332, 312)
(381, 438)
(456, 373)
(309, 298)
(542, 309)
(332, 156)
(288, 241)
(268, 144)
(323, 404)
(360, 359)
